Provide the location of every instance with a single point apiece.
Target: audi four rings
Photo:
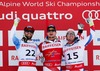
(90, 14)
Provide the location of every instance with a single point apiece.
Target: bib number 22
(30, 52)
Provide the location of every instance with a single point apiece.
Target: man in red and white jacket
(52, 51)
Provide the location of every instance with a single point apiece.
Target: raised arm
(80, 29)
(87, 40)
(13, 32)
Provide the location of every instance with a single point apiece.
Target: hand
(90, 21)
(16, 21)
(80, 26)
(42, 59)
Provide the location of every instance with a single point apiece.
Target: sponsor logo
(13, 58)
(96, 57)
(53, 53)
(94, 14)
(73, 48)
(51, 45)
(36, 40)
(27, 45)
(61, 37)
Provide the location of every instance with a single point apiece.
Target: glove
(90, 21)
(16, 21)
(80, 26)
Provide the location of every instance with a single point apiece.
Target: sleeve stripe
(90, 38)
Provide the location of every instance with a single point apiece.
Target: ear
(66, 38)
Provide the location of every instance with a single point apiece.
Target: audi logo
(94, 14)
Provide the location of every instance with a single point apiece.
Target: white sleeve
(13, 37)
(38, 53)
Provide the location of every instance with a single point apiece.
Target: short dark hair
(51, 26)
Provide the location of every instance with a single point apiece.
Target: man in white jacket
(74, 49)
(26, 48)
